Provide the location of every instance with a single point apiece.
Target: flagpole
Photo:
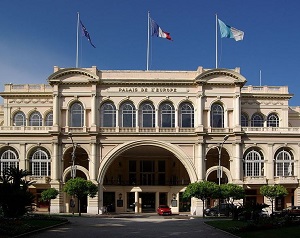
(77, 40)
(148, 41)
(216, 41)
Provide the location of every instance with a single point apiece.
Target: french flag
(157, 31)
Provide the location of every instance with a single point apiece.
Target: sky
(37, 35)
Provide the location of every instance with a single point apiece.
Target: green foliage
(80, 188)
(201, 190)
(232, 192)
(15, 199)
(273, 192)
(49, 194)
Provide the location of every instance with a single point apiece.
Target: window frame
(186, 113)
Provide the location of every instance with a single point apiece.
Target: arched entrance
(212, 166)
(81, 170)
(145, 175)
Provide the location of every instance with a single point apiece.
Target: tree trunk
(79, 207)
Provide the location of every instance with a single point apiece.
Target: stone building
(143, 136)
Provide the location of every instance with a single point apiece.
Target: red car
(164, 210)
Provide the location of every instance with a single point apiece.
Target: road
(152, 226)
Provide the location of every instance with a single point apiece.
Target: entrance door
(109, 201)
(130, 202)
(184, 203)
(148, 202)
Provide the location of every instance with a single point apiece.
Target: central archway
(140, 175)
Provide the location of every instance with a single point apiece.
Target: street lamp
(219, 174)
(74, 145)
(220, 152)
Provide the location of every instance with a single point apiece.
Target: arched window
(108, 115)
(217, 115)
(284, 163)
(40, 163)
(272, 120)
(147, 115)
(49, 119)
(19, 119)
(35, 119)
(9, 158)
(167, 115)
(254, 164)
(257, 120)
(186, 115)
(127, 115)
(76, 115)
(244, 120)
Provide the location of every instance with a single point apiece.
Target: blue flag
(86, 34)
(230, 32)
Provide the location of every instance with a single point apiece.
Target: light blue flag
(230, 32)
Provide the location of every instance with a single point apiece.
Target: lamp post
(220, 153)
(73, 170)
(74, 145)
(219, 174)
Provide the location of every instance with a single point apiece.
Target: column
(157, 119)
(200, 165)
(200, 111)
(176, 120)
(24, 164)
(269, 166)
(93, 110)
(55, 109)
(92, 207)
(238, 163)
(93, 162)
(136, 199)
(237, 111)
(55, 163)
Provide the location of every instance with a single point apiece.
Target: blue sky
(39, 34)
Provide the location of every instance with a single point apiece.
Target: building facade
(143, 136)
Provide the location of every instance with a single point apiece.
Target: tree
(15, 199)
(232, 192)
(201, 190)
(273, 192)
(80, 188)
(49, 194)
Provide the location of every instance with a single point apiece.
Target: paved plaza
(144, 226)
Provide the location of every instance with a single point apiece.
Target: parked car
(292, 211)
(223, 209)
(164, 210)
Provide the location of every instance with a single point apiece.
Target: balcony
(255, 180)
(25, 129)
(286, 180)
(40, 179)
(292, 130)
(182, 182)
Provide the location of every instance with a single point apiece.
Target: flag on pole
(230, 32)
(157, 31)
(86, 34)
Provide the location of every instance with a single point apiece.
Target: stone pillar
(137, 202)
(92, 207)
(269, 166)
(93, 110)
(200, 164)
(55, 109)
(237, 161)
(100, 199)
(57, 204)
(237, 111)
(55, 163)
(24, 163)
(93, 162)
